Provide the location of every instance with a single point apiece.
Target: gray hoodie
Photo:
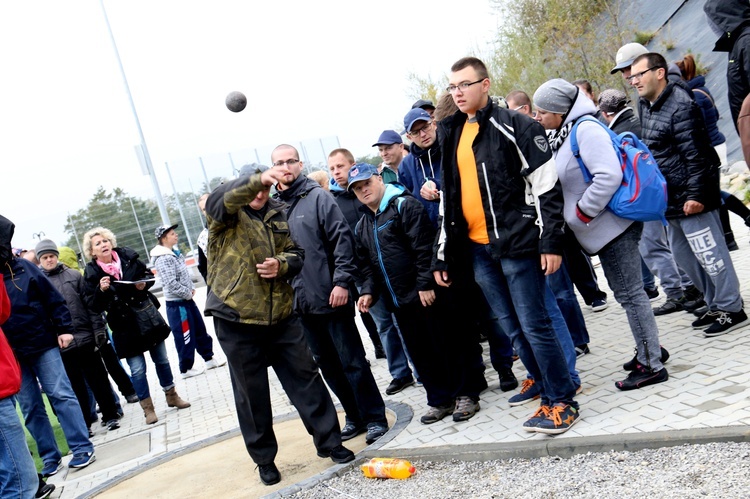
(598, 154)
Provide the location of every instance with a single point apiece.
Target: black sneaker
(642, 376)
(269, 474)
(693, 305)
(727, 321)
(582, 350)
(691, 293)
(698, 312)
(669, 307)
(44, 490)
(706, 319)
(508, 380)
(375, 431)
(633, 363)
(732, 246)
(398, 384)
(338, 454)
(132, 399)
(351, 430)
(599, 305)
(653, 293)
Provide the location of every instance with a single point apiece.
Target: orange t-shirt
(471, 199)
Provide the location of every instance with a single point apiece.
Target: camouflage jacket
(238, 239)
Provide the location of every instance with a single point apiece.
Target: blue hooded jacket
(710, 113)
(417, 167)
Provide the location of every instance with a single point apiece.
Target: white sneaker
(213, 363)
(192, 372)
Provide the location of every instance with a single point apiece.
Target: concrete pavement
(705, 399)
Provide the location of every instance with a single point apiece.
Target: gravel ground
(713, 470)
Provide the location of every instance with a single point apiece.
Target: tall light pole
(146, 155)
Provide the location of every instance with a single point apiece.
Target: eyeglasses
(638, 76)
(451, 89)
(288, 162)
(416, 133)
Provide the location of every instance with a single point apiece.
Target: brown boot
(148, 410)
(174, 400)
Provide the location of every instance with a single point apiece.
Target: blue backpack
(643, 193)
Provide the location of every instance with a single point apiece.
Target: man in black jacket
(321, 295)
(730, 21)
(503, 221)
(340, 161)
(674, 130)
(394, 242)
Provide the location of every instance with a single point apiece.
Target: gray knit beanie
(46, 246)
(555, 96)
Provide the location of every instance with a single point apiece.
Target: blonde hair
(97, 231)
(321, 177)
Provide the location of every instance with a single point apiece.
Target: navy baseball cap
(361, 171)
(387, 138)
(416, 114)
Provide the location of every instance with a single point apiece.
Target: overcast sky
(322, 73)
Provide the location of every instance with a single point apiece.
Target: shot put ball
(236, 101)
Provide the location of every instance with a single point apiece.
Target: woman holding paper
(117, 282)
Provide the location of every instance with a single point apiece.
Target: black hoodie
(731, 19)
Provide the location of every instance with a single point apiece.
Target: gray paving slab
(707, 398)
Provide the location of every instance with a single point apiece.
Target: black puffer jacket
(86, 323)
(521, 196)
(674, 131)
(626, 121)
(731, 18)
(396, 245)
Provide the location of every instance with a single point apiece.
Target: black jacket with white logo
(521, 195)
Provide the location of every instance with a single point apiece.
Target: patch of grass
(643, 37)
(59, 435)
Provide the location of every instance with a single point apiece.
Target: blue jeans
(562, 332)
(562, 286)
(700, 249)
(49, 370)
(17, 472)
(515, 289)
(137, 366)
(621, 263)
(390, 336)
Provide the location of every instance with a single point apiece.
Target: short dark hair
(655, 60)
(473, 62)
(519, 96)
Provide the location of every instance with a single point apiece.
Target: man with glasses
(503, 220)
(654, 248)
(391, 150)
(322, 297)
(674, 130)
